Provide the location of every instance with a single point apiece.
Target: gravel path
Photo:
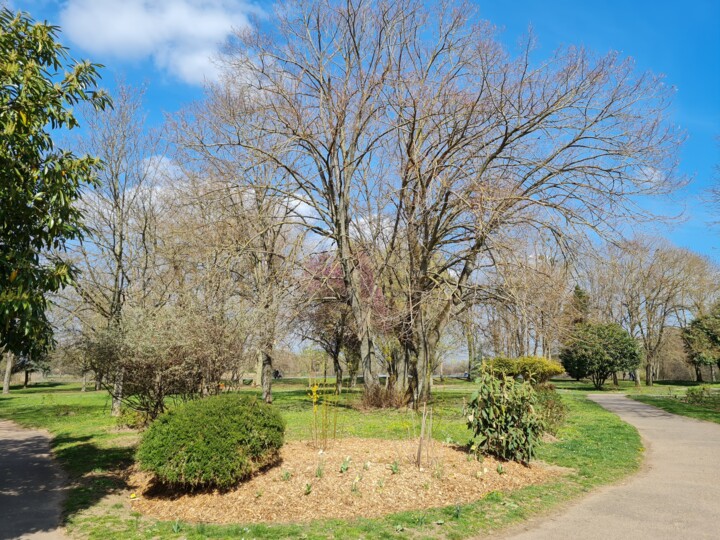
(676, 495)
(31, 485)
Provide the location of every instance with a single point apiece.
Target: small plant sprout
(345, 465)
(366, 466)
(308, 489)
(320, 471)
(395, 467)
(286, 475)
(355, 485)
(500, 469)
(457, 510)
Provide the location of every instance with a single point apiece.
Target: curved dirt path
(676, 494)
(31, 485)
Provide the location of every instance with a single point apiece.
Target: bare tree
(649, 286)
(409, 129)
(114, 258)
(241, 197)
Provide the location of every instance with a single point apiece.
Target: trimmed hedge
(214, 442)
(532, 368)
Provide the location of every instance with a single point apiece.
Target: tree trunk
(338, 374)
(401, 368)
(712, 373)
(698, 374)
(424, 372)
(648, 374)
(9, 358)
(267, 377)
(615, 379)
(84, 381)
(27, 379)
(259, 370)
(637, 377)
(367, 358)
(98, 381)
(116, 408)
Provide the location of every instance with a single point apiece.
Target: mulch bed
(381, 478)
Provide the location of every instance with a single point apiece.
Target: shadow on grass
(95, 472)
(55, 386)
(680, 383)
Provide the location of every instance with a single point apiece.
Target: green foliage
(130, 418)
(599, 350)
(702, 339)
(595, 443)
(535, 369)
(503, 418)
(213, 442)
(681, 406)
(40, 184)
(704, 396)
(579, 305)
(552, 409)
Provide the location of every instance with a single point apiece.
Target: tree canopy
(40, 183)
(599, 350)
(702, 340)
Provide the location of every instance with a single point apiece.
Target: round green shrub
(599, 350)
(536, 369)
(212, 442)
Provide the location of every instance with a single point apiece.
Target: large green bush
(213, 442)
(535, 369)
(599, 350)
(502, 415)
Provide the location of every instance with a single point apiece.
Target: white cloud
(180, 36)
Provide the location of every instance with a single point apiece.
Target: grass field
(87, 441)
(675, 406)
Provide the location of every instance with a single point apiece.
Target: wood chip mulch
(381, 478)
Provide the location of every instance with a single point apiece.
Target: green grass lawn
(675, 406)
(595, 444)
(660, 388)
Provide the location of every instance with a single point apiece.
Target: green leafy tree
(599, 350)
(40, 183)
(580, 305)
(702, 341)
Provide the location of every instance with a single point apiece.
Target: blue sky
(165, 44)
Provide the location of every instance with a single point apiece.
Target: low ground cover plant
(214, 442)
(705, 396)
